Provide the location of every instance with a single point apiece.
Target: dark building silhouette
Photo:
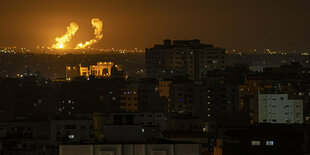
(187, 58)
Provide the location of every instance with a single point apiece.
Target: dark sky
(240, 24)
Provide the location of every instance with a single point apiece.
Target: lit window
(204, 129)
(71, 136)
(255, 142)
(269, 143)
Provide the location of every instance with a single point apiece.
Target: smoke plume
(97, 25)
(71, 30)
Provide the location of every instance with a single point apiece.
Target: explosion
(71, 30)
(97, 24)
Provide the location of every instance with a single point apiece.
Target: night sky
(240, 24)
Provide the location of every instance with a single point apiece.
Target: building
(102, 69)
(25, 137)
(186, 128)
(72, 131)
(158, 119)
(267, 139)
(164, 92)
(129, 98)
(181, 94)
(277, 108)
(149, 97)
(135, 127)
(164, 89)
(100, 120)
(186, 58)
(71, 72)
(131, 149)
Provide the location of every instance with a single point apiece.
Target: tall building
(277, 108)
(149, 97)
(129, 98)
(187, 58)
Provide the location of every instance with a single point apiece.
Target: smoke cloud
(71, 30)
(97, 25)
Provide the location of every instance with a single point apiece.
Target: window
(70, 126)
(255, 142)
(71, 136)
(269, 143)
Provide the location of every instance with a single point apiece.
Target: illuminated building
(248, 92)
(164, 89)
(102, 69)
(84, 71)
(100, 120)
(186, 58)
(71, 72)
(277, 108)
(164, 92)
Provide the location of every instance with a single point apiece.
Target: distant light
(71, 136)
(255, 142)
(269, 143)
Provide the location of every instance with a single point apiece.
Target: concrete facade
(131, 149)
(277, 108)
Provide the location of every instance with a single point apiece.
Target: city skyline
(139, 24)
